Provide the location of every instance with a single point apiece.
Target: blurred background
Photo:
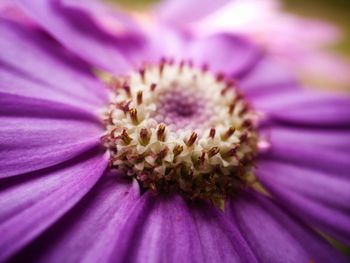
(335, 11)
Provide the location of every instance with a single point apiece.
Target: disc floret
(177, 128)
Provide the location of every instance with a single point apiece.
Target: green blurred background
(335, 11)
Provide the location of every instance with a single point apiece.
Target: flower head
(179, 128)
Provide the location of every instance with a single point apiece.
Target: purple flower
(214, 122)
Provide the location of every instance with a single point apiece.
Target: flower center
(177, 128)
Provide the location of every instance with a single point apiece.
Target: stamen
(112, 133)
(231, 107)
(126, 87)
(133, 116)
(125, 137)
(247, 123)
(171, 61)
(205, 68)
(181, 66)
(161, 155)
(115, 84)
(161, 66)
(228, 133)
(213, 151)
(161, 132)
(232, 152)
(145, 136)
(153, 86)
(243, 137)
(224, 90)
(124, 106)
(212, 133)
(142, 74)
(201, 159)
(190, 63)
(220, 77)
(192, 139)
(139, 97)
(177, 150)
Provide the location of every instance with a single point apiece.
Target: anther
(224, 90)
(161, 66)
(220, 77)
(231, 107)
(177, 150)
(192, 139)
(126, 87)
(213, 151)
(171, 61)
(247, 123)
(232, 152)
(205, 68)
(109, 118)
(153, 86)
(133, 115)
(228, 133)
(112, 133)
(153, 187)
(161, 132)
(243, 137)
(115, 84)
(105, 139)
(201, 159)
(181, 66)
(142, 74)
(124, 106)
(125, 137)
(139, 97)
(212, 133)
(190, 63)
(145, 136)
(161, 155)
(244, 110)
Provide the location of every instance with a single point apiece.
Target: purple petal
(275, 236)
(168, 230)
(237, 57)
(176, 44)
(28, 207)
(77, 28)
(328, 154)
(268, 77)
(307, 108)
(322, 199)
(224, 53)
(36, 62)
(10, 11)
(89, 231)
(35, 133)
(320, 139)
(16, 82)
(182, 11)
